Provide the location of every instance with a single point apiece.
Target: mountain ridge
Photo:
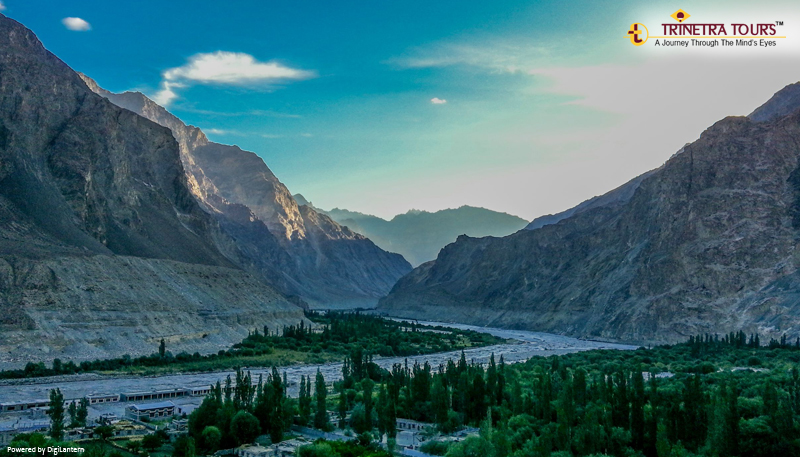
(304, 254)
(707, 243)
(420, 235)
(103, 248)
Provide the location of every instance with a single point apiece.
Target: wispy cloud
(270, 136)
(76, 24)
(438, 101)
(254, 112)
(2, 6)
(496, 56)
(225, 68)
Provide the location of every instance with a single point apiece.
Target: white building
(150, 411)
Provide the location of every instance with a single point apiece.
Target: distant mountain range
(420, 235)
(707, 243)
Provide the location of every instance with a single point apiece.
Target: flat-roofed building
(408, 424)
(8, 432)
(23, 405)
(94, 399)
(154, 395)
(150, 411)
(200, 391)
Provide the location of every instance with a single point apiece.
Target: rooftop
(149, 406)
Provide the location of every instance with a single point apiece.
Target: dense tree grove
(710, 396)
(237, 412)
(342, 333)
(341, 449)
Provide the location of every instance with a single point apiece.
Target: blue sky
(540, 104)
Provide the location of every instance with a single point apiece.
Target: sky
(527, 107)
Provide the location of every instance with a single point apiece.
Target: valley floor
(525, 345)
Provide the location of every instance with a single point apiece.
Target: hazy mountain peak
(302, 200)
(419, 235)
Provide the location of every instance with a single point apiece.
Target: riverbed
(522, 345)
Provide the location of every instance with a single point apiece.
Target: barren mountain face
(705, 243)
(301, 252)
(103, 247)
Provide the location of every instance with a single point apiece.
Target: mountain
(705, 243)
(419, 235)
(618, 196)
(302, 253)
(103, 248)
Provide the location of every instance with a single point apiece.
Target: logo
(680, 15)
(687, 34)
(636, 32)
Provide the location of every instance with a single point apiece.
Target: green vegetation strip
(331, 337)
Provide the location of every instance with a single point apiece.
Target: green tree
(491, 381)
(162, 348)
(724, 433)
(367, 385)
(304, 401)
(152, 442)
(184, 447)
(211, 438)
(82, 413)
(473, 446)
(72, 410)
(134, 447)
(321, 393)
(439, 405)
(358, 419)
(244, 427)
(317, 450)
(477, 399)
(382, 407)
(637, 410)
(342, 407)
(104, 432)
(663, 448)
(56, 413)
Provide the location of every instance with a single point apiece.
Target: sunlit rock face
(304, 254)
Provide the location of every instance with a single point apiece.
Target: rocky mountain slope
(103, 249)
(706, 243)
(420, 235)
(302, 253)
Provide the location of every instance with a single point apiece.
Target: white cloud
(2, 6)
(216, 131)
(225, 68)
(76, 24)
(306, 135)
(438, 101)
(498, 56)
(248, 113)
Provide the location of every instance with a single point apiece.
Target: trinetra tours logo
(710, 35)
